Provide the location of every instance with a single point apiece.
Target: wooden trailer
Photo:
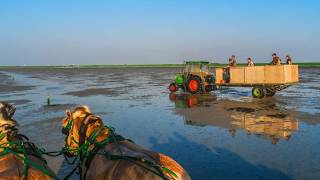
(265, 80)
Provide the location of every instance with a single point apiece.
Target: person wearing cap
(289, 60)
(250, 62)
(275, 59)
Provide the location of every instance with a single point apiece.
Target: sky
(64, 32)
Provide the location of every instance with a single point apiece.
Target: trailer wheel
(258, 92)
(270, 92)
(173, 87)
(194, 84)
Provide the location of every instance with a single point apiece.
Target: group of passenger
(275, 60)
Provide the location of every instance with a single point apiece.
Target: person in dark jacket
(289, 60)
(275, 59)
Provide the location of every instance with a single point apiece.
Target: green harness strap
(18, 149)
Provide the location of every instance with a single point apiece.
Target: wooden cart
(265, 80)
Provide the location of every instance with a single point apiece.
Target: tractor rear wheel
(194, 84)
(258, 92)
(173, 87)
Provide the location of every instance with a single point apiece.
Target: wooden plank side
(219, 75)
(288, 73)
(274, 74)
(254, 75)
(291, 73)
(237, 75)
(295, 73)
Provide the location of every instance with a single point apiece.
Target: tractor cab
(196, 78)
(198, 67)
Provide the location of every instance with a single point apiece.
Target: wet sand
(8, 84)
(223, 135)
(94, 92)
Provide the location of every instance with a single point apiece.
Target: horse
(103, 154)
(19, 158)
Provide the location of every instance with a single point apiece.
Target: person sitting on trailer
(275, 59)
(250, 62)
(230, 62)
(289, 60)
(226, 75)
(233, 61)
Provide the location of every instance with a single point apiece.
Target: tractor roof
(196, 62)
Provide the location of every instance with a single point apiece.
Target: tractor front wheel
(258, 92)
(194, 85)
(173, 87)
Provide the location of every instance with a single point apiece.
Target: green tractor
(195, 78)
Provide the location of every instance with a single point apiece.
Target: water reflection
(262, 118)
(188, 100)
(267, 125)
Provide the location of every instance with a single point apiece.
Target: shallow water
(223, 135)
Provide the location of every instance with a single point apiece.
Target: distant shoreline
(303, 65)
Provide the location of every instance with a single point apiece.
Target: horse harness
(21, 148)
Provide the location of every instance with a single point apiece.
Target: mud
(94, 92)
(8, 85)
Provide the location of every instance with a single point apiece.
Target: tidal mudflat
(222, 135)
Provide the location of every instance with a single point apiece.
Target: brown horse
(106, 155)
(19, 158)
